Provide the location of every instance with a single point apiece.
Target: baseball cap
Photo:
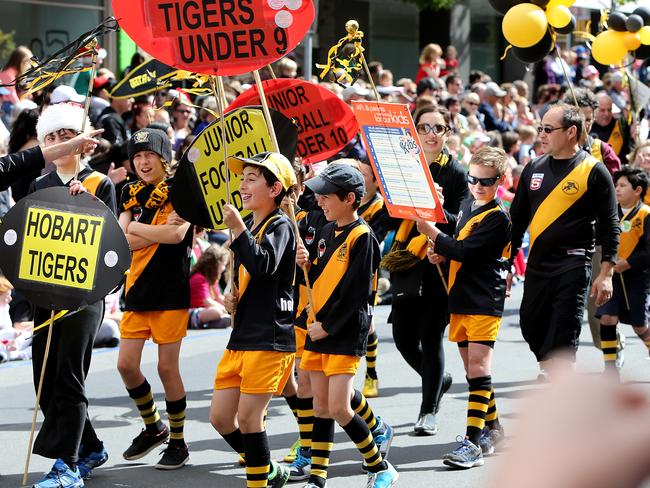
(588, 71)
(352, 90)
(153, 140)
(493, 90)
(276, 163)
(65, 93)
(337, 177)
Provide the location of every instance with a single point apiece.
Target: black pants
(418, 328)
(63, 399)
(551, 312)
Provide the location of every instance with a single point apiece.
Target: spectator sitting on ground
(206, 301)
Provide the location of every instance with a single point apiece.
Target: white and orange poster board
(398, 162)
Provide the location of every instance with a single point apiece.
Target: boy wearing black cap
(157, 296)
(260, 354)
(342, 277)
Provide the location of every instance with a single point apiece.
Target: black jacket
(15, 166)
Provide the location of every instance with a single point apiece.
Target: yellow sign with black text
(60, 248)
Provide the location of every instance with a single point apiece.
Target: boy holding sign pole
(260, 354)
(157, 296)
(478, 267)
(66, 433)
(342, 274)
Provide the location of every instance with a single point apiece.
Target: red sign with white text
(397, 159)
(325, 123)
(216, 37)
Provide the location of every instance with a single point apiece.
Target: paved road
(418, 459)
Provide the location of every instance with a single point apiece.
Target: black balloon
(502, 6)
(644, 13)
(642, 53)
(634, 23)
(537, 52)
(616, 21)
(540, 3)
(567, 29)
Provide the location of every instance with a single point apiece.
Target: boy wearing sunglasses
(478, 255)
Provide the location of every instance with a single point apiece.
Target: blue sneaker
(465, 456)
(91, 461)
(383, 436)
(61, 476)
(300, 468)
(383, 479)
(490, 439)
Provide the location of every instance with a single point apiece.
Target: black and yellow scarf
(406, 253)
(147, 196)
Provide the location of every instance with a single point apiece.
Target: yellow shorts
(254, 372)
(164, 326)
(330, 364)
(301, 337)
(473, 328)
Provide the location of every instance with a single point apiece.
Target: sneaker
(490, 439)
(61, 476)
(447, 380)
(383, 437)
(465, 456)
(144, 443)
(300, 469)
(280, 475)
(371, 387)
(383, 479)
(91, 461)
(174, 457)
(427, 424)
(293, 452)
(313, 485)
(620, 351)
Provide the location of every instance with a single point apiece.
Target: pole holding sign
(216, 37)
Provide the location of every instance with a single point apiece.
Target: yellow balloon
(644, 35)
(524, 25)
(609, 48)
(558, 16)
(631, 40)
(555, 3)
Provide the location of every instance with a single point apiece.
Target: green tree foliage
(7, 45)
(432, 4)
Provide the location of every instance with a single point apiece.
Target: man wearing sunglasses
(560, 196)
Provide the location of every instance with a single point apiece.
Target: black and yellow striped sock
(143, 399)
(371, 355)
(359, 433)
(321, 447)
(477, 406)
(292, 401)
(644, 335)
(492, 416)
(176, 416)
(609, 345)
(305, 421)
(236, 441)
(361, 407)
(258, 459)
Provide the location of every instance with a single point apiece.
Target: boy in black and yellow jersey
(477, 289)
(157, 296)
(260, 354)
(629, 302)
(67, 434)
(374, 212)
(342, 277)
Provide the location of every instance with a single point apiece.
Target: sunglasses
(473, 180)
(473, 104)
(437, 129)
(548, 130)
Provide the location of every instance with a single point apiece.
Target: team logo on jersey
(321, 248)
(570, 187)
(311, 233)
(636, 224)
(626, 226)
(343, 252)
(536, 181)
